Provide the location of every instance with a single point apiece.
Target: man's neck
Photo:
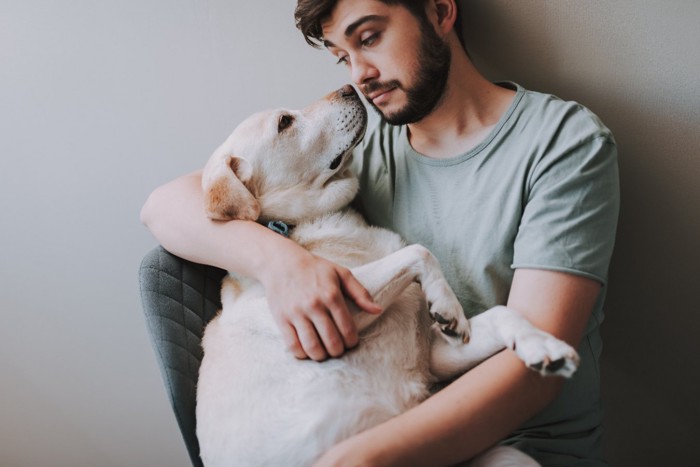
(469, 110)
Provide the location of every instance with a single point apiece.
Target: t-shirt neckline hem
(423, 159)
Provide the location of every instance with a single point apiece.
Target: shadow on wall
(635, 66)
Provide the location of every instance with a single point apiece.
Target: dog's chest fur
(251, 388)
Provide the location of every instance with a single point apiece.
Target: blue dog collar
(279, 227)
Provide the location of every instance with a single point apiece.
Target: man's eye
(285, 122)
(368, 41)
(342, 60)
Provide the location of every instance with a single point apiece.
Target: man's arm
(490, 401)
(305, 292)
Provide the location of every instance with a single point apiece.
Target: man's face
(398, 61)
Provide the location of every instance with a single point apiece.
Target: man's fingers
(292, 341)
(328, 332)
(310, 341)
(343, 321)
(357, 292)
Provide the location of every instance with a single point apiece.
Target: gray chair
(179, 298)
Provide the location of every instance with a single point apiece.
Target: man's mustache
(375, 86)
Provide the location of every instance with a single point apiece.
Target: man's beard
(425, 94)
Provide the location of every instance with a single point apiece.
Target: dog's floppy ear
(225, 194)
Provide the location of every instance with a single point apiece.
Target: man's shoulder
(559, 117)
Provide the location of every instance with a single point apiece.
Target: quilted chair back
(179, 298)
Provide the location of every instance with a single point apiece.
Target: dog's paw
(443, 305)
(449, 318)
(546, 354)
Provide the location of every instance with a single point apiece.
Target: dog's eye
(284, 123)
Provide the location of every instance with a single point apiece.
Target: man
(516, 194)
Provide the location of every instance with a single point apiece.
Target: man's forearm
(467, 417)
(473, 413)
(174, 213)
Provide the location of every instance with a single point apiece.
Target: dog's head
(287, 165)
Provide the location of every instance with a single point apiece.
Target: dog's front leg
(387, 278)
(494, 330)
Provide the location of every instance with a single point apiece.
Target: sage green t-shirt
(541, 191)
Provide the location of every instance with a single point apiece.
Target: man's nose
(362, 71)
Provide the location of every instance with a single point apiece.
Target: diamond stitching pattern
(179, 298)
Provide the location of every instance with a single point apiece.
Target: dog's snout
(347, 91)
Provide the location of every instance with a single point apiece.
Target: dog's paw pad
(453, 328)
(555, 366)
(547, 355)
(449, 332)
(441, 319)
(565, 367)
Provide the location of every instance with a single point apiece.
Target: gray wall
(102, 101)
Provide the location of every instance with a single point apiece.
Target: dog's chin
(299, 204)
(343, 172)
(341, 189)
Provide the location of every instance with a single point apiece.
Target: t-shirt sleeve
(571, 208)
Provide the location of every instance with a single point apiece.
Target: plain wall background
(100, 102)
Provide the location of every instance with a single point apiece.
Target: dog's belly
(258, 405)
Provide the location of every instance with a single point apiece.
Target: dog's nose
(347, 91)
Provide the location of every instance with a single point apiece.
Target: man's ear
(446, 14)
(225, 194)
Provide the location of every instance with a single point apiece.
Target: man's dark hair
(309, 15)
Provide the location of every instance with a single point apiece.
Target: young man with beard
(516, 194)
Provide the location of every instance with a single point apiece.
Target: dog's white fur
(256, 403)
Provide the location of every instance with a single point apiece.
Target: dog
(258, 405)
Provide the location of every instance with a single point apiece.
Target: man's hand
(307, 300)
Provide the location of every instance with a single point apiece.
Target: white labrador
(257, 405)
